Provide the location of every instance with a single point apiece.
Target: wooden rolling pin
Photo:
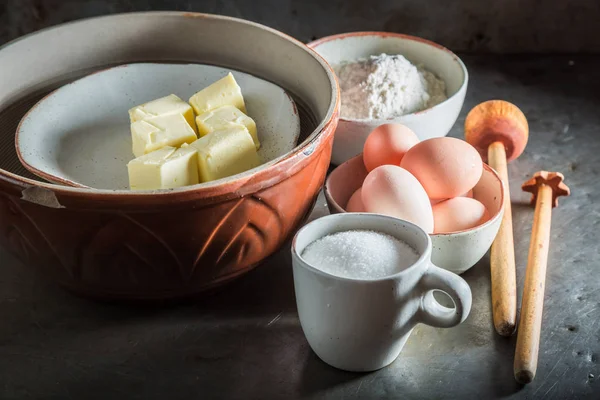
(499, 131)
(546, 187)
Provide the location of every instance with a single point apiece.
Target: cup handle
(431, 312)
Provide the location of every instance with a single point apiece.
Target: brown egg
(393, 191)
(446, 167)
(458, 214)
(355, 204)
(387, 144)
(435, 201)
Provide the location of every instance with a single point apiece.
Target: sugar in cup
(359, 321)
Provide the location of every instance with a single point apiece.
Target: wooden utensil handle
(528, 339)
(502, 258)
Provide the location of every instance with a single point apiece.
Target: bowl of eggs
(440, 184)
(389, 77)
(160, 154)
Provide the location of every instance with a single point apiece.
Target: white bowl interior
(434, 58)
(489, 192)
(80, 133)
(40, 62)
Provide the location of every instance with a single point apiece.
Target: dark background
(501, 26)
(245, 342)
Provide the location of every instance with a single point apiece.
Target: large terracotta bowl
(127, 245)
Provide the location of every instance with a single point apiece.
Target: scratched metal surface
(245, 341)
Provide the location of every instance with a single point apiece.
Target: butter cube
(167, 105)
(221, 118)
(223, 92)
(225, 152)
(164, 168)
(166, 130)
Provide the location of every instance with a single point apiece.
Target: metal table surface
(245, 341)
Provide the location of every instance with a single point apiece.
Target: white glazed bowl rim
(341, 36)
(424, 257)
(65, 180)
(305, 147)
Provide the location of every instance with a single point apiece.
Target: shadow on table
(318, 377)
(500, 363)
(35, 306)
(237, 340)
(503, 380)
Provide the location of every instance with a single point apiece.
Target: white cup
(362, 325)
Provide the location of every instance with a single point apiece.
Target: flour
(386, 87)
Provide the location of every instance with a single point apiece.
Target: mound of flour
(387, 86)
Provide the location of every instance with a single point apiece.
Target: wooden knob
(497, 121)
(544, 178)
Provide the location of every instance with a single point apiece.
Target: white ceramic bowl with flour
(431, 122)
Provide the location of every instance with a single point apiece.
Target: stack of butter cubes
(178, 144)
